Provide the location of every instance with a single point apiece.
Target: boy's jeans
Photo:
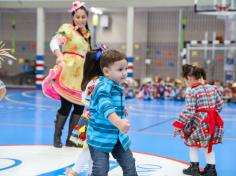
(101, 161)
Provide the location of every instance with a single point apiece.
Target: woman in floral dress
(75, 41)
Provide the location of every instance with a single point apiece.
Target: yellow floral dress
(74, 48)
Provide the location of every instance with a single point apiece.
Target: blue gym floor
(27, 119)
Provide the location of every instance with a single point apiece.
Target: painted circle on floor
(46, 160)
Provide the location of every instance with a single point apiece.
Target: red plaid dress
(200, 122)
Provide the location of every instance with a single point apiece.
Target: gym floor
(27, 125)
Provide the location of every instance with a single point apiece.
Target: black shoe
(71, 144)
(59, 124)
(209, 170)
(57, 142)
(193, 169)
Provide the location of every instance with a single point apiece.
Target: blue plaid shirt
(106, 99)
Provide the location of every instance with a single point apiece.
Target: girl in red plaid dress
(199, 124)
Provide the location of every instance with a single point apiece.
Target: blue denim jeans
(101, 161)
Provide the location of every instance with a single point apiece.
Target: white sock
(193, 154)
(83, 159)
(210, 157)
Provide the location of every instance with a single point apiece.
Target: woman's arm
(55, 47)
(59, 56)
(61, 37)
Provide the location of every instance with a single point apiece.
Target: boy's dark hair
(110, 56)
(91, 68)
(190, 70)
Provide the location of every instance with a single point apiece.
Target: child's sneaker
(193, 169)
(209, 170)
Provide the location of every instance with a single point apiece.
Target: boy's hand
(124, 126)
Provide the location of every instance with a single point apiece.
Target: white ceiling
(95, 3)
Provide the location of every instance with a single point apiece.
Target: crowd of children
(168, 89)
(173, 89)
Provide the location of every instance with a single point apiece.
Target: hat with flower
(76, 5)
